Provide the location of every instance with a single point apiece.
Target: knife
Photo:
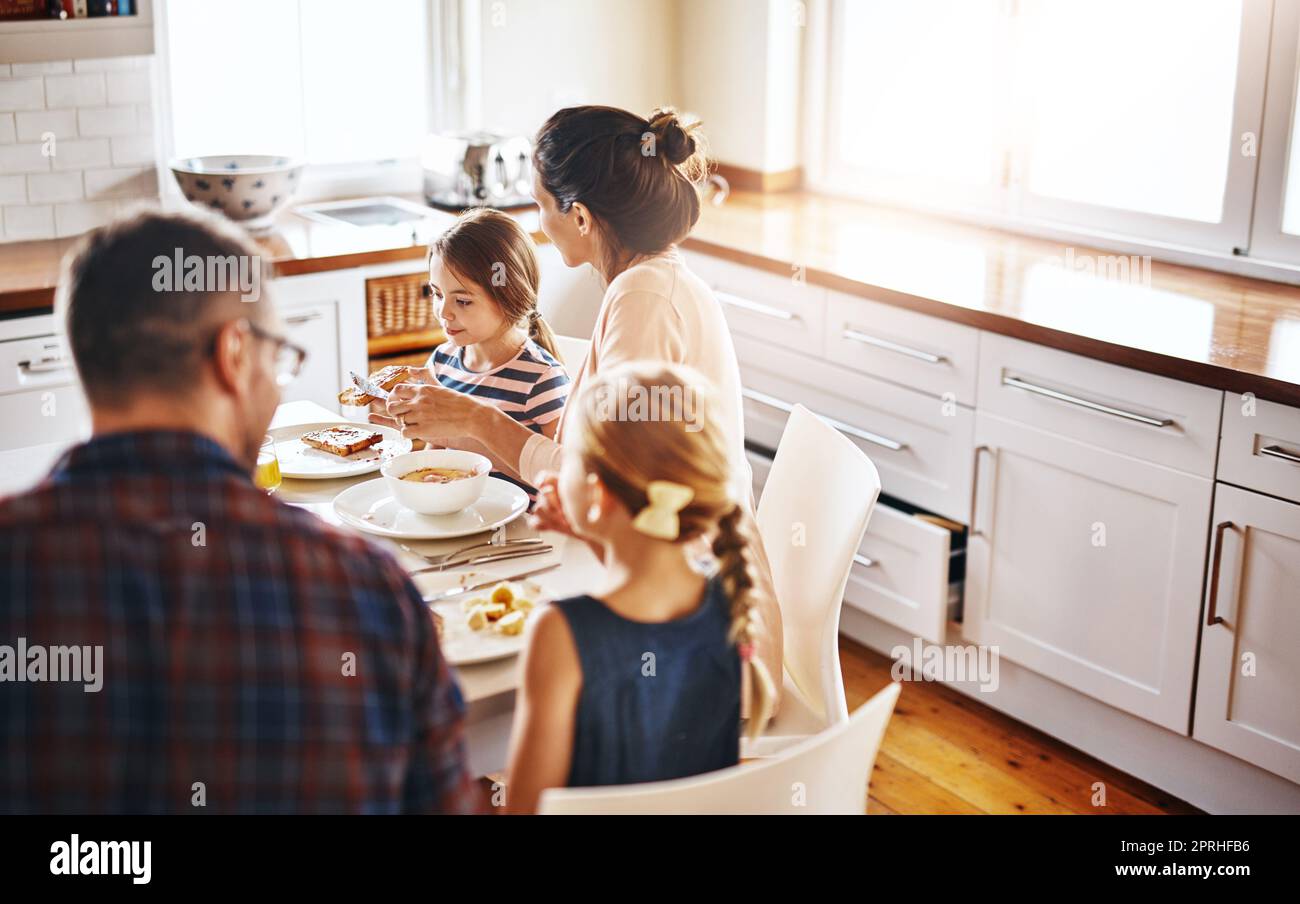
(452, 594)
(369, 387)
(485, 558)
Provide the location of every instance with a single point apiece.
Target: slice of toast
(342, 440)
(387, 378)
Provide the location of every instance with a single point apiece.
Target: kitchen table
(489, 687)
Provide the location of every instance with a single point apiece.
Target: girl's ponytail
(731, 549)
(540, 332)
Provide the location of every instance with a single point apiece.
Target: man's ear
(230, 357)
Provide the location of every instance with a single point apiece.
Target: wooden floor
(946, 753)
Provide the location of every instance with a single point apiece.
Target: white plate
(462, 645)
(300, 461)
(370, 507)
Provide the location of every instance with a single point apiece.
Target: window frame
(319, 181)
(1235, 244)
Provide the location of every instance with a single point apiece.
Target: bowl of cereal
(437, 481)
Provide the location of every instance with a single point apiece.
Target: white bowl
(248, 188)
(436, 498)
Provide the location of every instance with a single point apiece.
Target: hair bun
(674, 139)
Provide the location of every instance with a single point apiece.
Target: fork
(496, 540)
(529, 550)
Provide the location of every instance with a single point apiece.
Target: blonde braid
(735, 570)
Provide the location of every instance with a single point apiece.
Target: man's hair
(130, 320)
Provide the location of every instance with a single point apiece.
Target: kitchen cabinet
(315, 328)
(325, 314)
(40, 398)
(1248, 692)
(1085, 565)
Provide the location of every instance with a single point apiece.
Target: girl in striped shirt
(484, 275)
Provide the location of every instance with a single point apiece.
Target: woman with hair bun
(620, 192)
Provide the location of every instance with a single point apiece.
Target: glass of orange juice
(266, 476)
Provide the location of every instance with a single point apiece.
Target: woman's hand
(547, 514)
(432, 412)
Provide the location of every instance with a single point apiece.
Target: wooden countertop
(1229, 332)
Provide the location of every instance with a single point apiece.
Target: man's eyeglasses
(289, 357)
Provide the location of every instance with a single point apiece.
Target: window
(1107, 118)
(346, 87)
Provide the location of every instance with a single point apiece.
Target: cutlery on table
(497, 543)
(502, 556)
(369, 387)
(460, 591)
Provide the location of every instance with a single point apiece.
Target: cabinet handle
(866, 436)
(975, 489)
(755, 307)
(303, 318)
(1018, 383)
(1279, 452)
(855, 335)
(45, 365)
(863, 561)
(1212, 616)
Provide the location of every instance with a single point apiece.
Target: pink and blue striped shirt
(531, 387)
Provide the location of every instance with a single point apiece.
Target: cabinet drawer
(42, 362)
(39, 416)
(1260, 448)
(921, 445)
(901, 346)
(1250, 643)
(764, 305)
(1121, 410)
(900, 574)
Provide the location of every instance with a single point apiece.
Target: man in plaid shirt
(254, 659)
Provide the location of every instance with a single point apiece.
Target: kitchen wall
(734, 63)
(539, 57)
(739, 71)
(76, 144)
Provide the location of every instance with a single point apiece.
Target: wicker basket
(399, 304)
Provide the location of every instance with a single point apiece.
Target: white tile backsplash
(35, 125)
(76, 144)
(87, 90)
(28, 221)
(48, 188)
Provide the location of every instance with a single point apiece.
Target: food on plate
(438, 475)
(386, 378)
(512, 623)
(477, 618)
(506, 611)
(342, 440)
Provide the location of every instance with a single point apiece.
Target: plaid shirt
(254, 659)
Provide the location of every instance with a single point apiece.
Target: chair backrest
(814, 510)
(827, 774)
(572, 352)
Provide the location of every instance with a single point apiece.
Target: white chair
(572, 352)
(813, 512)
(827, 774)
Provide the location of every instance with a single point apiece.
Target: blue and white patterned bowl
(249, 188)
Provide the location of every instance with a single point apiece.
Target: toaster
(476, 169)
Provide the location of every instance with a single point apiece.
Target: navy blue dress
(659, 701)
